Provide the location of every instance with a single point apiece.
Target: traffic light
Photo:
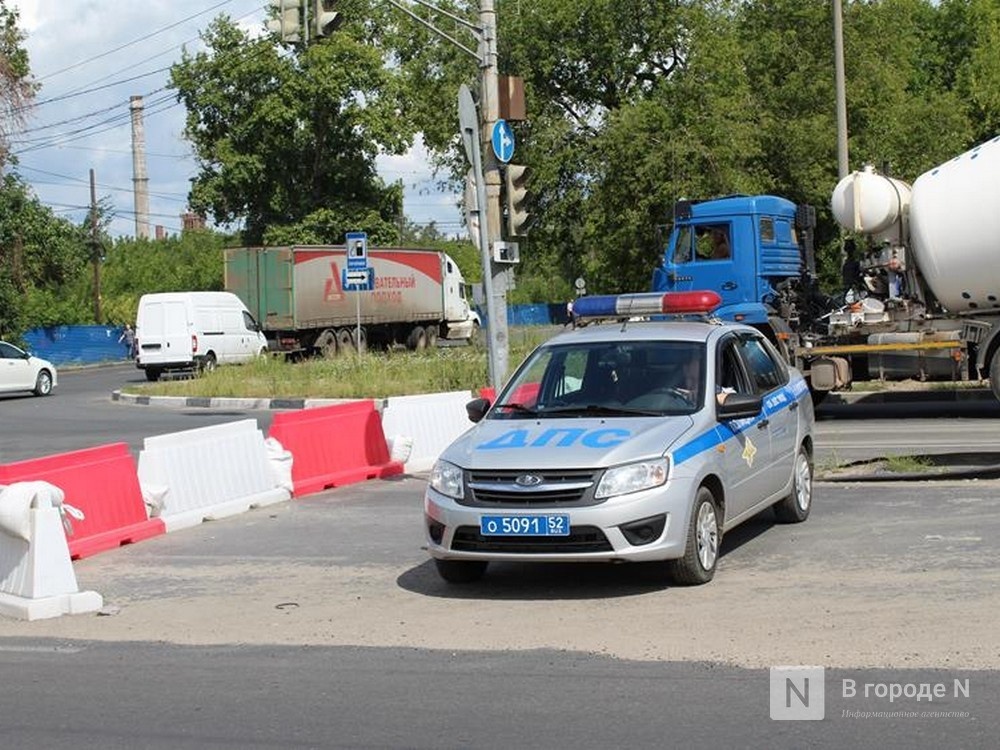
(516, 177)
(286, 21)
(324, 19)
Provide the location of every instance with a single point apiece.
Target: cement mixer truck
(921, 296)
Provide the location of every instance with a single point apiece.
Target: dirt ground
(873, 579)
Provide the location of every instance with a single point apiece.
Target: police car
(628, 439)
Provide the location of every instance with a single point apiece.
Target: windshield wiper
(601, 409)
(521, 408)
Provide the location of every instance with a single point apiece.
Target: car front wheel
(43, 383)
(461, 571)
(795, 507)
(701, 552)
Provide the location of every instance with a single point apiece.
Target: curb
(907, 397)
(979, 465)
(184, 402)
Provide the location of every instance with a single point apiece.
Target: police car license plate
(557, 525)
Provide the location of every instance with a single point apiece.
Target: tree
(17, 90)
(286, 143)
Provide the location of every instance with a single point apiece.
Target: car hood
(565, 443)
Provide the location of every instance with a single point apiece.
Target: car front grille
(580, 539)
(568, 488)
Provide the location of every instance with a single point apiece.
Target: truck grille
(537, 489)
(580, 539)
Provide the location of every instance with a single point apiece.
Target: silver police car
(626, 440)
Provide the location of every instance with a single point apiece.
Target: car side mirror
(477, 408)
(739, 406)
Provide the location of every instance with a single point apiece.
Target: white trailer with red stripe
(297, 295)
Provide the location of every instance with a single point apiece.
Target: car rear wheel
(152, 374)
(208, 364)
(43, 383)
(701, 553)
(795, 507)
(461, 571)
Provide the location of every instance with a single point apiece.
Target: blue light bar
(649, 303)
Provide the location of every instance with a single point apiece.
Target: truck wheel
(795, 507)
(475, 338)
(417, 340)
(43, 384)
(995, 373)
(326, 344)
(701, 552)
(152, 374)
(344, 341)
(432, 337)
(461, 571)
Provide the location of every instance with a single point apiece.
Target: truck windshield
(627, 379)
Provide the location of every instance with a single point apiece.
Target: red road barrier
(103, 483)
(334, 445)
(488, 392)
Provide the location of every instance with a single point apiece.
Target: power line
(119, 48)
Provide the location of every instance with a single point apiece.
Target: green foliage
(286, 144)
(191, 262)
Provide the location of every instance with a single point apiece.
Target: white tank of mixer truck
(955, 229)
(870, 203)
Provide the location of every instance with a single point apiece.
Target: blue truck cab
(749, 249)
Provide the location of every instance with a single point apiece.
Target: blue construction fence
(77, 345)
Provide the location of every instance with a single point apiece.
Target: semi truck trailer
(299, 297)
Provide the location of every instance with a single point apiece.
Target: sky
(90, 57)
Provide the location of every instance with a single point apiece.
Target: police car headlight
(446, 478)
(643, 475)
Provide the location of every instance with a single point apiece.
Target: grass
(907, 464)
(371, 375)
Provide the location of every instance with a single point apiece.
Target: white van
(194, 331)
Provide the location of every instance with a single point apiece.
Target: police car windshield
(627, 379)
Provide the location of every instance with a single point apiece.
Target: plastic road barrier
(334, 445)
(102, 483)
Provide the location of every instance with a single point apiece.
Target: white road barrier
(209, 473)
(36, 575)
(431, 420)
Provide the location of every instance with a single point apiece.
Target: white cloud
(88, 46)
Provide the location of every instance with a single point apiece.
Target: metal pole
(357, 307)
(95, 247)
(838, 64)
(841, 96)
(489, 113)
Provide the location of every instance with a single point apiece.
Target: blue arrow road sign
(503, 141)
(358, 280)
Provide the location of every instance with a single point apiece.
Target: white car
(20, 371)
(626, 441)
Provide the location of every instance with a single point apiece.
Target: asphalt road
(321, 623)
(82, 415)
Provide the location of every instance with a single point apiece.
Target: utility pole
(489, 113)
(140, 180)
(496, 276)
(840, 86)
(841, 95)
(95, 247)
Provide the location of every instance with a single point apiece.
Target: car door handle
(729, 286)
(793, 406)
(763, 423)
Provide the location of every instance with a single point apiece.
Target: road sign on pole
(357, 251)
(503, 141)
(357, 279)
